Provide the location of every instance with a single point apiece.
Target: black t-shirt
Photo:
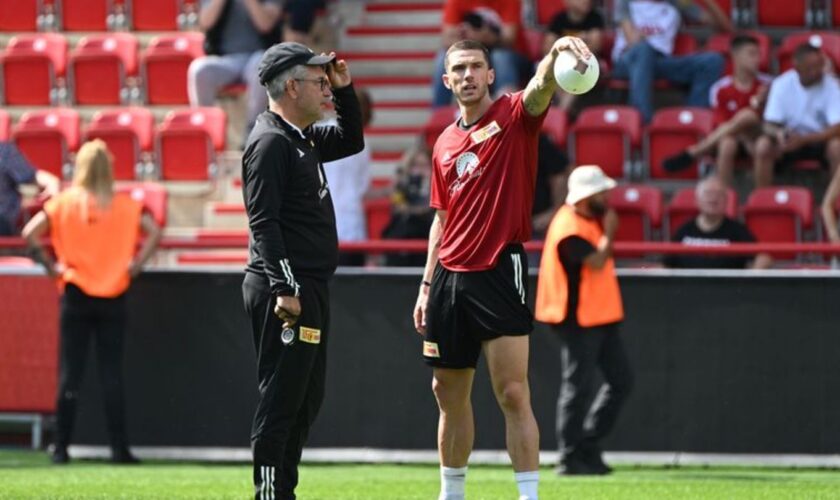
(551, 161)
(572, 252)
(561, 25)
(729, 231)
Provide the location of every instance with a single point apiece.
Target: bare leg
(766, 153)
(832, 154)
(456, 430)
(507, 360)
(727, 151)
(743, 120)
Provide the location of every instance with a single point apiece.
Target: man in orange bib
(578, 294)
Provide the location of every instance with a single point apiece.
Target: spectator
(550, 189)
(644, 49)
(411, 216)
(579, 19)
(300, 17)
(236, 34)
(738, 100)
(829, 213)
(494, 23)
(713, 228)
(802, 117)
(349, 179)
(14, 171)
(94, 233)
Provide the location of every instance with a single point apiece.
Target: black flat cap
(283, 56)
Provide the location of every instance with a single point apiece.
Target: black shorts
(812, 152)
(468, 308)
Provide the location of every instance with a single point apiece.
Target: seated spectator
(299, 17)
(411, 216)
(14, 171)
(236, 34)
(802, 117)
(645, 35)
(349, 179)
(738, 101)
(829, 215)
(713, 228)
(494, 23)
(579, 19)
(550, 188)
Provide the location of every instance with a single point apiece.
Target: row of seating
(184, 145)
(95, 15)
(100, 70)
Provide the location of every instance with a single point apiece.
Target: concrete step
(387, 117)
(391, 38)
(385, 163)
(403, 18)
(224, 215)
(385, 4)
(393, 140)
(392, 89)
(395, 64)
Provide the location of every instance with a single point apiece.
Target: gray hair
(277, 87)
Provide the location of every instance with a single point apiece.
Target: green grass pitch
(28, 475)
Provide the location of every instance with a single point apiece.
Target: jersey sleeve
(438, 193)
(532, 124)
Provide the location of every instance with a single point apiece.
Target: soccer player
(473, 294)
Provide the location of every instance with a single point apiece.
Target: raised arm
(538, 93)
(347, 138)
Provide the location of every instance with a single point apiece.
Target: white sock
(452, 481)
(527, 483)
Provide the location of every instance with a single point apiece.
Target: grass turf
(27, 475)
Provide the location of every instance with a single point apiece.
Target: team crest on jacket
(466, 163)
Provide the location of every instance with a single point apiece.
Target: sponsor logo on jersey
(310, 335)
(485, 132)
(430, 349)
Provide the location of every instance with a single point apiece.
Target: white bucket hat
(585, 181)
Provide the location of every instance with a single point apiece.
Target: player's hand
(287, 309)
(573, 43)
(338, 73)
(420, 310)
(610, 223)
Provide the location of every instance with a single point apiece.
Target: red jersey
(484, 178)
(727, 99)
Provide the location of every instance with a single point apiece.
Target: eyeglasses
(322, 82)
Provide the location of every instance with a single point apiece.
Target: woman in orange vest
(94, 233)
(578, 294)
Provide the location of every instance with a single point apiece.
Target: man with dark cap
(293, 249)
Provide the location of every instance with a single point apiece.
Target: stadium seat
(128, 132)
(47, 137)
(377, 215)
(437, 123)
(639, 210)
(827, 41)
(18, 15)
(556, 126)
(187, 142)
(779, 214)
(153, 196)
(606, 136)
(164, 65)
(84, 15)
(781, 13)
(719, 42)
(672, 130)
(546, 10)
(31, 66)
(5, 123)
(154, 15)
(99, 66)
(683, 207)
(835, 13)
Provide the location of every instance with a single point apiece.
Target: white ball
(574, 79)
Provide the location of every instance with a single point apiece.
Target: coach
(293, 249)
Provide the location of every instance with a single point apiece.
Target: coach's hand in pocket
(287, 309)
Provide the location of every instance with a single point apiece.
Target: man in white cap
(578, 295)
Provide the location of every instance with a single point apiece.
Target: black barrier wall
(739, 364)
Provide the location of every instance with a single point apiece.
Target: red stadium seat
(781, 13)
(187, 142)
(31, 65)
(18, 15)
(99, 66)
(154, 15)
(606, 136)
(827, 41)
(719, 42)
(779, 214)
(152, 195)
(84, 15)
(547, 9)
(47, 137)
(683, 207)
(128, 132)
(672, 130)
(377, 214)
(639, 211)
(5, 123)
(437, 123)
(835, 13)
(165, 65)
(556, 126)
